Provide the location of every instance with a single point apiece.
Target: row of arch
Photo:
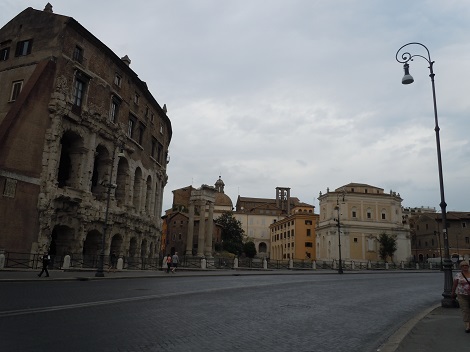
(76, 170)
(65, 240)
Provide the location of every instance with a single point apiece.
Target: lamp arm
(406, 56)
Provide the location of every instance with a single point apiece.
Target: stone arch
(101, 170)
(92, 243)
(116, 244)
(68, 173)
(148, 196)
(157, 199)
(132, 247)
(262, 247)
(122, 182)
(92, 248)
(62, 241)
(137, 189)
(143, 249)
(152, 250)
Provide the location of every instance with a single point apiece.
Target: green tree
(249, 249)
(232, 233)
(388, 246)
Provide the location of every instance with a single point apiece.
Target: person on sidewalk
(168, 263)
(112, 262)
(461, 286)
(174, 262)
(46, 259)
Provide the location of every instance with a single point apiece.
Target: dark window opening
(24, 47)
(78, 54)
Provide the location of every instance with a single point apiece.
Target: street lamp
(406, 57)
(338, 223)
(109, 186)
(438, 234)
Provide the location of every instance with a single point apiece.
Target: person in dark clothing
(46, 259)
(112, 262)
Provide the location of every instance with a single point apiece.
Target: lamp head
(407, 78)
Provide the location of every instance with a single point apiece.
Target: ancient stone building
(82, 141)
(185, 232)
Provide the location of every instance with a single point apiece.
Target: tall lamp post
(338, 223)
(406, 57)
(109, 186)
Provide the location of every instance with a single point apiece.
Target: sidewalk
(435, 330)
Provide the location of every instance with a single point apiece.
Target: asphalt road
(327, 312)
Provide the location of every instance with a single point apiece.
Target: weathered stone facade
(82, 140)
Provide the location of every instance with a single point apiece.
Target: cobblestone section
(305, 313)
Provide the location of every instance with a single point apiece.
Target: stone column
(209, 231)
(202, 225)
(190, 234)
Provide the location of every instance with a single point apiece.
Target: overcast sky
(298, 93)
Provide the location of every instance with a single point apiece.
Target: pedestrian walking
(461, 286)
(168, 263)
(174, 262)
(46, 259)
(112, 262)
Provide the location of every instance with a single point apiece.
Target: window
(114, 111)
(355, 239)
(78, 89)
(464, 224)
(15, 90)
(383, 216)
(141, 133)
(154, 147)
(308, 244)
(369, 214)
(354, 214)
(4, 53)
(467, 240)
(117, 80)
(308, 222)
(309, 232)
(78, 95)
(24, 47)
(136, 99)
(159, 159)
(131, 126)
(78, 54)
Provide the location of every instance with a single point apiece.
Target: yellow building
(364, 212)
(293, 237)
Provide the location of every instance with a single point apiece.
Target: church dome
(221, 199)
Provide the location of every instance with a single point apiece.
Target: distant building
(427, 238)
(82, 141)
(258, 214)
(364, 212)
(293, 237)
(186, 233)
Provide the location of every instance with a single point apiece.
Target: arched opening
(122, 181)
(116, 244)
(92, 249)
(137, 189)
(101, 170)
(262, 248)
(148, 195)
(132, 247)
(70, 158)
